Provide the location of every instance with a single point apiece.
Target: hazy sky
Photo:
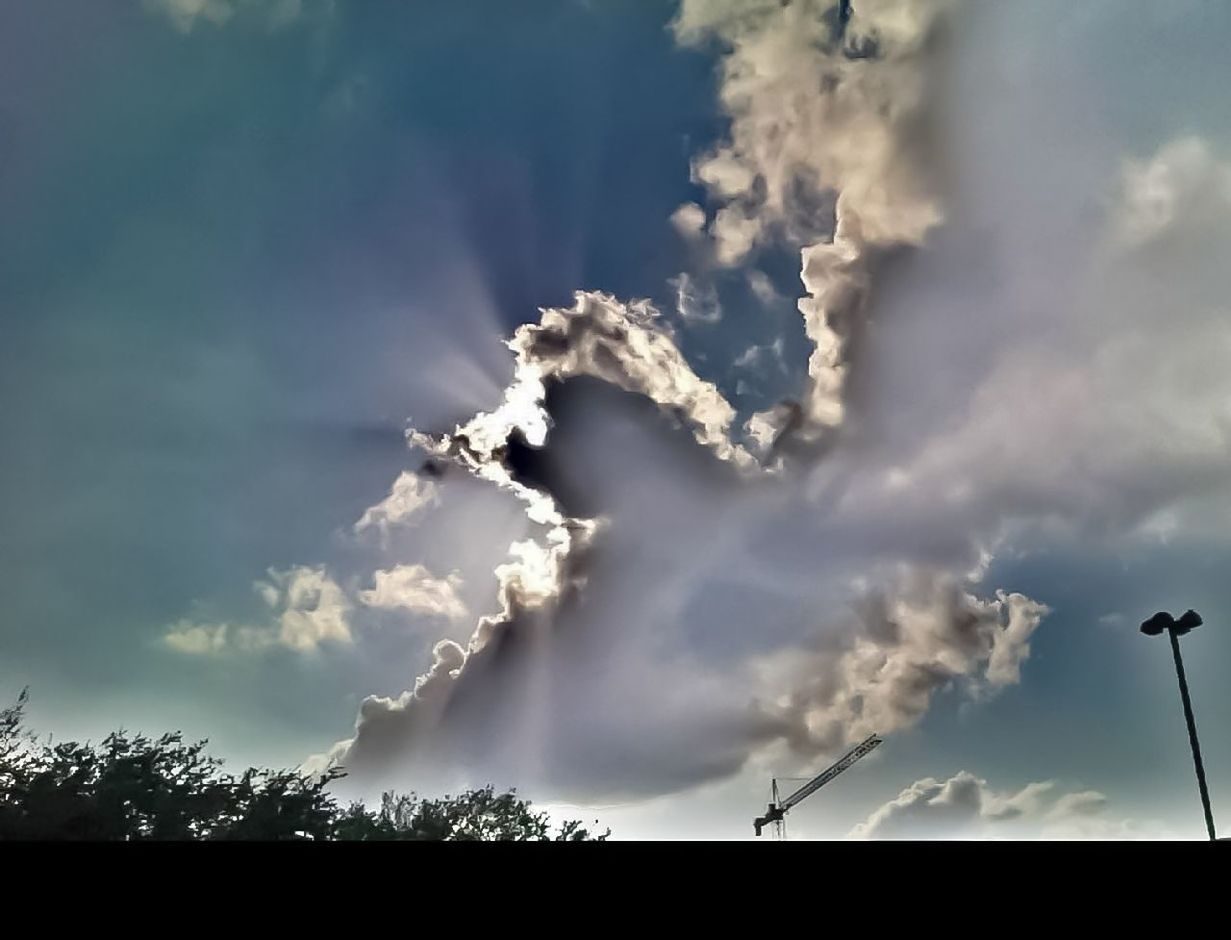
(246, 245)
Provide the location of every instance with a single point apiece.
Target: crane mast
(777, 810)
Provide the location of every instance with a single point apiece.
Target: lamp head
(1190, 620)
(1161, 621)
(1157, 624)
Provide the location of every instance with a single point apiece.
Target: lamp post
(1176, 629)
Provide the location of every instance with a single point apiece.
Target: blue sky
(245, 244)
(221, 299)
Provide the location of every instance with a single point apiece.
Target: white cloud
(307, 609)
(625, 344)
(696, 304)
(813, 115)
(762, 358)
(197, 639)
(762, 287)
(966, 807)
(408, 498)
(810, 112)
(413, 588)
(919, 634)
(1180, 186)
(689, 220)
(311, 608)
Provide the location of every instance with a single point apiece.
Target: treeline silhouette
(132, 788)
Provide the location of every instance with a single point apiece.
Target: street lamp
(1176, 629)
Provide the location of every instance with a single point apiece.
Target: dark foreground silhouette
(131, 788)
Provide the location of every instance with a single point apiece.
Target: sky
(628, 403)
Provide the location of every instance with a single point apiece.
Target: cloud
(573, 580)
(762, 287)
(759, 363)
(815, 108)
(645, 649)
(694, 303)
(1182, 186)
(966, 807)
(408, 498)
(915, 636)
(625, 344)
(1035, 378)
(819, 108)
(757, 357)
(689, 220)
(393, 721)
(197, 639)
(184, 15)
(311, 609)
(1098, 415)
(413, 588)
(307, 610)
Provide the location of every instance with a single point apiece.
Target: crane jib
(851, 756)
(776, 811)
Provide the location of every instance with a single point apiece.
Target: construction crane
(778, 808)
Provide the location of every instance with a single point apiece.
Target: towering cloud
(626, 345)
(726, 594)
(596, 658)
(819, 107)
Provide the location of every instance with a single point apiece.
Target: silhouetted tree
(475, 815)
(140, 788)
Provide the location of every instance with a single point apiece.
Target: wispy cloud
(409, 497)
(307, 610)
(185, 15)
